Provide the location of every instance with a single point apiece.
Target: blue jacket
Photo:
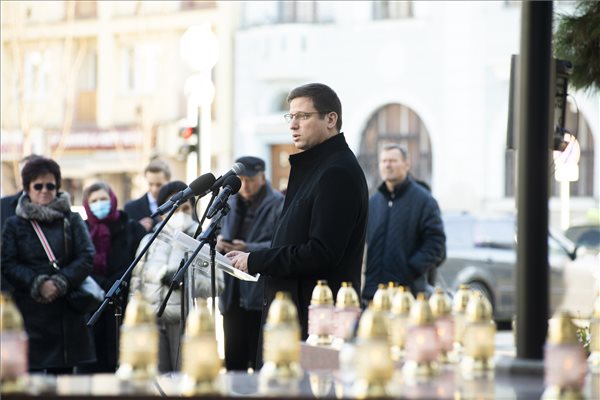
(405, 237)
(259, 237)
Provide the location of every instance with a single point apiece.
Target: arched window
(395, 123)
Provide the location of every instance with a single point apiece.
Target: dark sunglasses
(49, 186)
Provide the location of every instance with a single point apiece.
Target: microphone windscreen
(202, 183)
(234, 183)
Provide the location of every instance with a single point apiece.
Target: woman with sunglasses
(116, 238)
(58, 336)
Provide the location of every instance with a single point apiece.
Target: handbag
(84, 298)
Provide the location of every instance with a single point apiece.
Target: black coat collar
(333, 144)
(399, 189)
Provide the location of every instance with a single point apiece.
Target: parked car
(481, 252)
(585, 236)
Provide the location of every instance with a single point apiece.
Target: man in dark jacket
(157, 173)
(321, 232)
(249, 226)
(405, 235)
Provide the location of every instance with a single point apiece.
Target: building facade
(433, 76)
(104, 86)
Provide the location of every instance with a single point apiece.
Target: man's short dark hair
(323, 97)
(37, 167)
(157, 166)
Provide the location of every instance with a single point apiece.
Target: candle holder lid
(139, 311)
(199, 321)
(10, 318)
(321, 294)
(282, 310)
(479, 308)
(562, 330)
(461, 298)
(347, 296)
(402, 301)
(420, 312)
(440, 303)
(381, 298)
(372, 324)
(596, 310)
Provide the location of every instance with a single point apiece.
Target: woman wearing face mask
(116, 238)
(58, 336)
(157, 268)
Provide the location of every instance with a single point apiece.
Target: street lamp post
(199, 50)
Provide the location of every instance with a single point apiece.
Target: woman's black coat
(58, 336)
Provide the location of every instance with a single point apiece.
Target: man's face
(155, 181)
(251, 185)
(393, 168)
(312, 131)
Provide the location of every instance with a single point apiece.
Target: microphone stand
(212, 199)
(116, 287)
(208, 236)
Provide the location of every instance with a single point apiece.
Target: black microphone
(231, 186)
(235, 170)
(199, 185)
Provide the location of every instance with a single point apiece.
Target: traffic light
(191, 140)
(188, 131)
(562, 71)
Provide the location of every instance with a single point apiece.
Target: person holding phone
(249, 226)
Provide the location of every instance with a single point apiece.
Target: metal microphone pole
(212, 199)
(116, 287)
(206, 237)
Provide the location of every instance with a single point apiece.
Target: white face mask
(180, 221)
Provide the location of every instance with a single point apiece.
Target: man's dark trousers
(241, 329)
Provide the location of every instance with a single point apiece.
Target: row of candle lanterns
(395, 328)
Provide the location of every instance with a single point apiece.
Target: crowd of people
(320, 229)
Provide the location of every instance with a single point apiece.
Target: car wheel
(483, 289)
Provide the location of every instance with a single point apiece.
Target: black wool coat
(58, 336)
(259, 236)
(322, 228)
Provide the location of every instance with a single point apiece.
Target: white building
(431, 75)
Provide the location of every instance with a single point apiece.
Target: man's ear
(332, 118)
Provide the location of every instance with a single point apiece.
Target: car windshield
(492, 233)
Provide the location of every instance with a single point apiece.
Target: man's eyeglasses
(299, 116)
(49, 186)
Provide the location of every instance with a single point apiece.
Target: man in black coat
(405, 235)
(157, 173)
(248, 226)
(321, 232)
